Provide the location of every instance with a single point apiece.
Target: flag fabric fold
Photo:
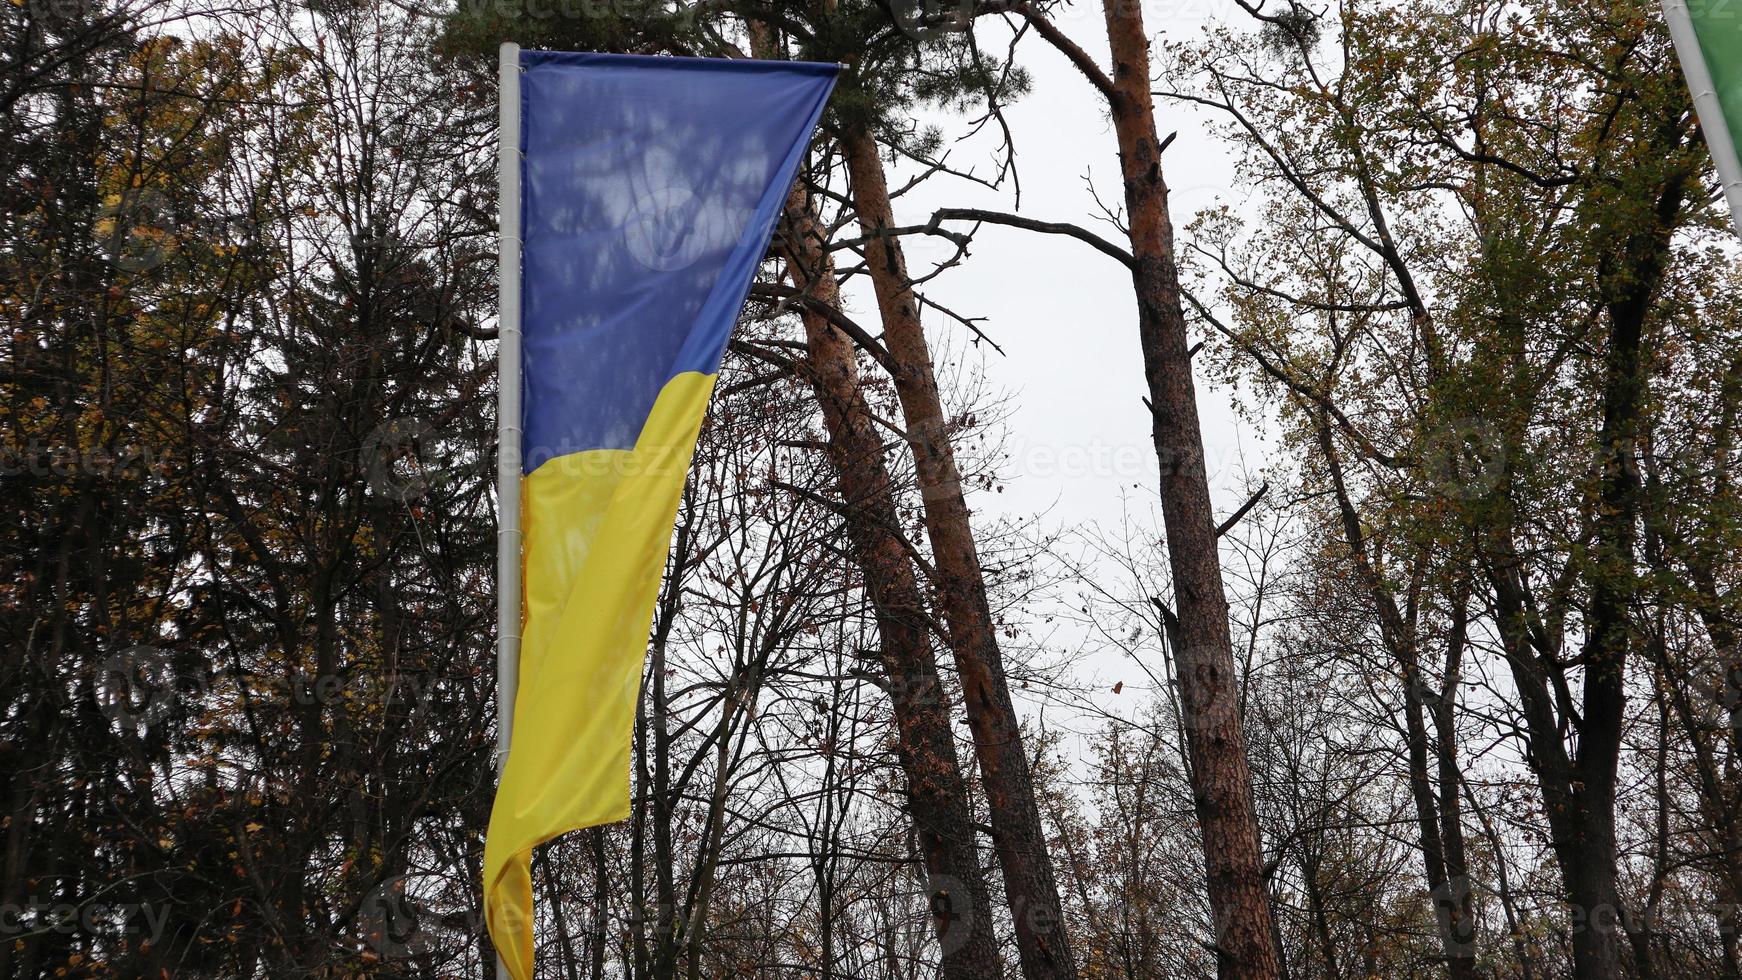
(651, 189)
(1708, 40)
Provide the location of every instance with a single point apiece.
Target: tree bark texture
(1018, 836)
(938, 802)
(1221, 777)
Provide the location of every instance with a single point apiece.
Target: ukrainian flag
(651, 188)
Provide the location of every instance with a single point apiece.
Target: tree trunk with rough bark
(1221, 776)
(1018, 835)
(938, 802)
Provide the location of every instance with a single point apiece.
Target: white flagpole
(508, 428)
(1719, 139)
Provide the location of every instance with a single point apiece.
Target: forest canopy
(1405, 643)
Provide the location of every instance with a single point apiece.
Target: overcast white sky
(1064, 314)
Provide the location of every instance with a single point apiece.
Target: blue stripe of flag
(651, 189)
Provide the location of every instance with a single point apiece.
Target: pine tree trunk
(1018, 835)
(938, 802)
(1247, 948)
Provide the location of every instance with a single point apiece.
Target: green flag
(1708, 37)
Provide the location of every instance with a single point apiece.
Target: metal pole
(508, 428)
(1719, 139)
